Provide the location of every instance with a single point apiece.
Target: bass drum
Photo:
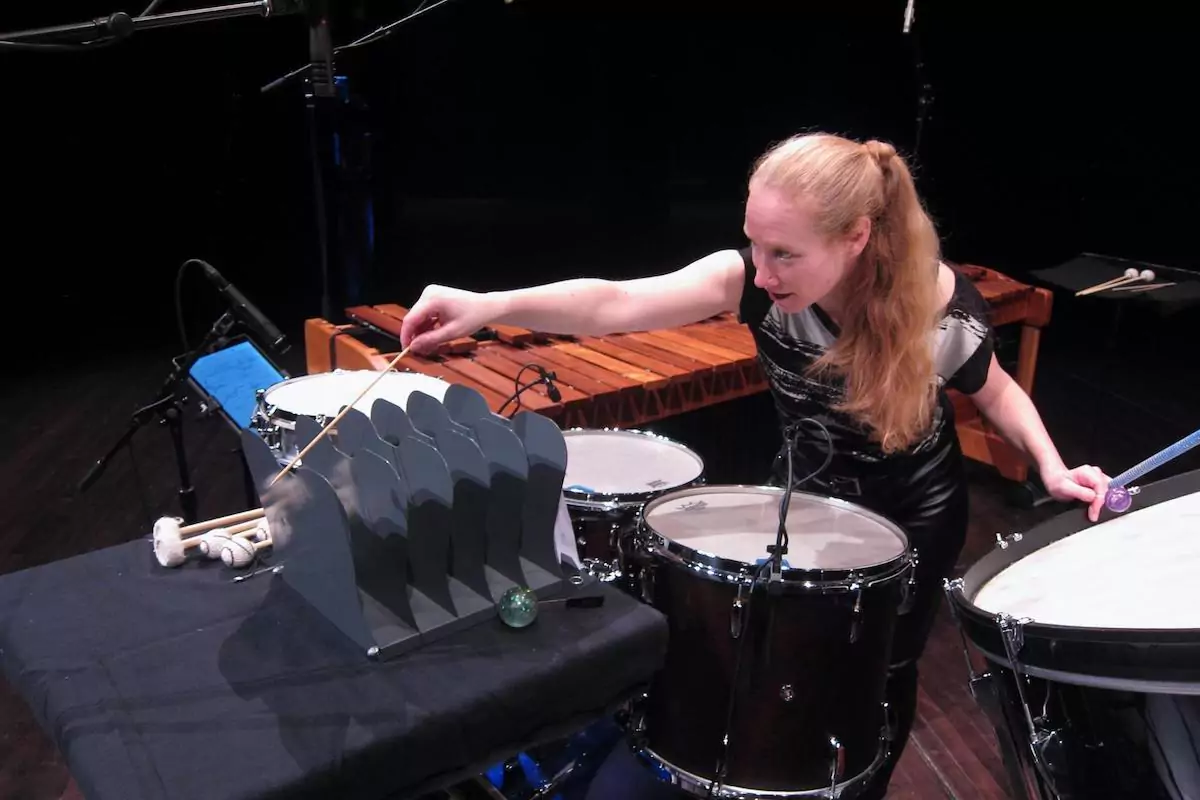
(769, 689)
(1090, 639)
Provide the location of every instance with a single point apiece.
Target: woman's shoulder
(965, 299)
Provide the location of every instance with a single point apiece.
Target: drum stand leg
(1044, 743)
(984, 688)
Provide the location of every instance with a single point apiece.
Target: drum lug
(910, 586)
(837, 765)
(646, 581)
(856, 614)
(738, 613)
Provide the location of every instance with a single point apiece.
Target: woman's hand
(443, 314)
(1085, 483)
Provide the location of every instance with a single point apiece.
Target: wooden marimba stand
(627, 380)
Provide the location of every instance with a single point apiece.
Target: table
(178, 683)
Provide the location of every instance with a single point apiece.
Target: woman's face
(792, 262)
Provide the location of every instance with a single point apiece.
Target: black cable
(179, 303)
(520, 389)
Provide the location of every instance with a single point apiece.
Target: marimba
(629, 379)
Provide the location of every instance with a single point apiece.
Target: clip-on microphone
(548, 378)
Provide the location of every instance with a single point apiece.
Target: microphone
(551, 389)
(245, 310)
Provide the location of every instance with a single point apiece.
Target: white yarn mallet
(240, 553)
(213, 542)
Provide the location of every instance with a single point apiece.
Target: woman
(858, 325)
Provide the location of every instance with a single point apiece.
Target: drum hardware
(1004, 541)
(974, 680)
(837, 765)
(737, 618)
(909, 594)
(856, 613)
(1043, 742)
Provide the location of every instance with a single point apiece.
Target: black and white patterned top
(789, 343)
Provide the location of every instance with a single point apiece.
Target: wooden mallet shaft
(341, 414)
(226, 521)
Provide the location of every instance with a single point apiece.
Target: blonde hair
(891, 305)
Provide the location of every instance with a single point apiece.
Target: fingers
(420, 318)
(1094, 483)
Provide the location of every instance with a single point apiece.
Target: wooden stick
(225, 521)
(341, 414)
(1106, 284)
(1109, 285)
(1144, 288)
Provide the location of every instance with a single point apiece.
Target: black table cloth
(177, 683)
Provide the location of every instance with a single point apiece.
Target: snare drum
(1091, 639)
(809, 661)
(321, 396)
(611, 474)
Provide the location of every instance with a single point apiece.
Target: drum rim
(1059, 649)
(613, 500)
(733, 570)
(274, 412)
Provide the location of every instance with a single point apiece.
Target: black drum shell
(1144, 659)
(802, 679)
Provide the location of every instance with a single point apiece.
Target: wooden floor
(58, 423)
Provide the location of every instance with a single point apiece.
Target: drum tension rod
(974, 678)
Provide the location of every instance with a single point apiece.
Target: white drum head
(1133, 571)
(325, 393)
(614, 462)
(738, 523)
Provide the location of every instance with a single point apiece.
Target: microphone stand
(339, 156)
(168, 408)
(120, 25)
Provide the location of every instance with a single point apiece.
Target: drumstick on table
(1144, 275)
(1129, 273)
(1151, 287)
(341, 414)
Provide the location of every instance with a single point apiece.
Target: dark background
(540, 140)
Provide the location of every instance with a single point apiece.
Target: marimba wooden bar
(630, 379)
